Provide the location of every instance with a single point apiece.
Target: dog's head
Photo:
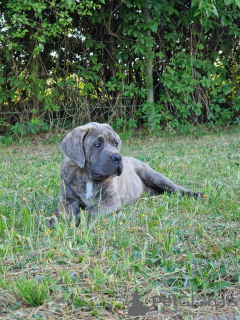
(95, 147)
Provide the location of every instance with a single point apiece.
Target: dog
(95, 176)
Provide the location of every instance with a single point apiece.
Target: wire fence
(70, 109)
(70, 117)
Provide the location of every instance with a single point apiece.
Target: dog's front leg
(104, 207)
(67, 209)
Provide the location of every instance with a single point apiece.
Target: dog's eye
(116, 144)
(97, 145)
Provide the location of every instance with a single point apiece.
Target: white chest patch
(89, 189)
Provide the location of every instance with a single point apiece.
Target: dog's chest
(88, 196)
(89, 190)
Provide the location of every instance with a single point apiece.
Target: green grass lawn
(159, 246)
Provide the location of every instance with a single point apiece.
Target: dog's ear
(72, 145)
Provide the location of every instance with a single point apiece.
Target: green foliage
(7, 139)
(123, 124)
(33, 126)
(68, 55)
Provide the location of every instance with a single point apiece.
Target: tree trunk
(149, 68)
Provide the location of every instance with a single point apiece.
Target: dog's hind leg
(155, 180)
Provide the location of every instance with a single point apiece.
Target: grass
(32, 292)
(160, 245)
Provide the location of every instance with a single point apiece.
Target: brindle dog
(96, 176)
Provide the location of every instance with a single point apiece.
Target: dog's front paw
(92, 215)
(46, 223)
(199, 195)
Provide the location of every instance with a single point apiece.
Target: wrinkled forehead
(103, 130)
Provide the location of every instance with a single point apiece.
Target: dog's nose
(117, 158)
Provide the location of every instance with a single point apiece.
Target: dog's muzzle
(117, 160)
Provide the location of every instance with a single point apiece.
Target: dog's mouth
(97, 176)
(119, 170)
